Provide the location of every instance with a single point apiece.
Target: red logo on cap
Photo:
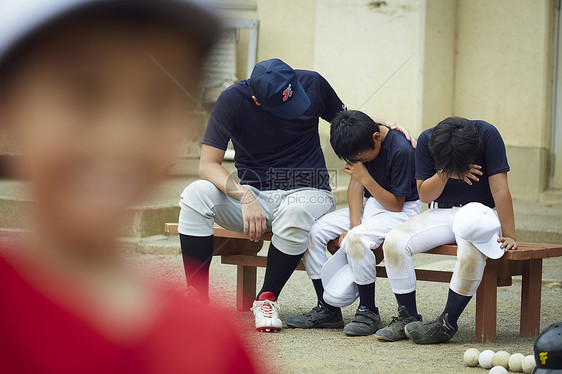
(287, 93)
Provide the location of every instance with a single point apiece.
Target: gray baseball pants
(289, 214)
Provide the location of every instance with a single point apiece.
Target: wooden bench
(235, 249)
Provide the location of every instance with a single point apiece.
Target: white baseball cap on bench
(479, 225)
(22, 18)
(339, 288)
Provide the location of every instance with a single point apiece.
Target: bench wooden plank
(220, 232)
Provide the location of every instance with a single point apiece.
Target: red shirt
(39, 336)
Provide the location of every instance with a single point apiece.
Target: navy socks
(408, 300)
(319, 288)
(197, 253)
(280, 266)
(367, 296)
(455, 306)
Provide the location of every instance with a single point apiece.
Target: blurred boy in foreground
(87, 96)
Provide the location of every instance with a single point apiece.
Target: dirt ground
(330, 351)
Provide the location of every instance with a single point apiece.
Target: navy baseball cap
(277, 89)
(548, 350)
(22, 19)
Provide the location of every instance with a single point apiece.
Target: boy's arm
(430, 189)
(504, 206)
(387, 199)
(355, 192)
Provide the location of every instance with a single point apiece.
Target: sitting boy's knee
(316, 230)
(199, 186)
(197, 189)
(294, 211)
(353, 244)
(393, 244)
(469, 253)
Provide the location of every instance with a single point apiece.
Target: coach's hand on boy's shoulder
(358, 171)
(394, 126)
(507, 243)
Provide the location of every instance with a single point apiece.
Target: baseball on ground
(528, 363)
(471, 357)
(485, 359)
(498, 370)
(501, 358)
(515, 362)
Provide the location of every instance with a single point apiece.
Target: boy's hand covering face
(357, 171)
(98, 121)
(472, 174)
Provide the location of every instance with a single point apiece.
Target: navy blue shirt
(491, 156)
(271, 152)
(394, 167)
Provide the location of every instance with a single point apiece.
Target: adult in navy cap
(272, 120)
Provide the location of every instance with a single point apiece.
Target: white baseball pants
(376, 223)
(289, 214)
(428, 230)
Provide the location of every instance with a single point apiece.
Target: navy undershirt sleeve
(219, 128)
(332, 103)
(494, 151)
(425, 165)
(402, 171)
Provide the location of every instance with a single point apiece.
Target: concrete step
(166, 244)
(552, 196)
(146, 219)
(538, 222)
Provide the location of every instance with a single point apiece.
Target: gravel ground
(330, 351)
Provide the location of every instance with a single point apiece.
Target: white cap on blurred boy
(22, 18)
(479, 225)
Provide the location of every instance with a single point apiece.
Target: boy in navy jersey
(381, 195)
(461, 170)
(272, 120)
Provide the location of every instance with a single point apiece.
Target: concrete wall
(503, 73)
(287, 31)
(360, 44)
(438, 73)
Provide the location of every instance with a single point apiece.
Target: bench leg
(486, 304)
(245, 287)
(531, 298)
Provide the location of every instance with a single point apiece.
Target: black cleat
(395, 329)
(366, 322)
(438, 331)
(320, 317)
